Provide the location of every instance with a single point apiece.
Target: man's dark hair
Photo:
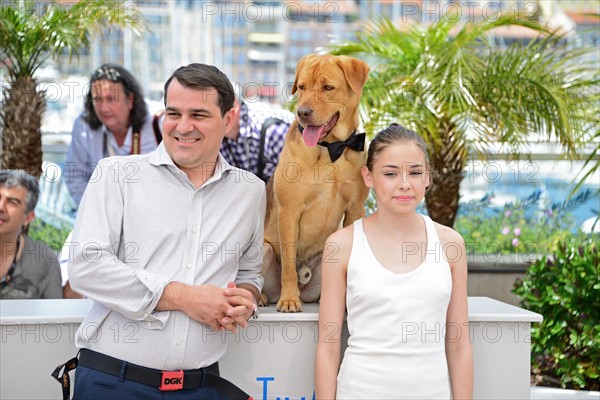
(205, 77)
(118, 74)
(12, 178)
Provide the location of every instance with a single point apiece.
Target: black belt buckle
(171, 380)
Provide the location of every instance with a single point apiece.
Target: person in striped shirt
(255, 139)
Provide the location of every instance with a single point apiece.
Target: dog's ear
(355, 71)
(298, 68)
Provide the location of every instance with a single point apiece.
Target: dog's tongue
(311, 134)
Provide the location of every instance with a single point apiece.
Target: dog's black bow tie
(356, 141)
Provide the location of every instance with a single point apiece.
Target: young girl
(403, 280)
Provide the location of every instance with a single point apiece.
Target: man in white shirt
(169, 248)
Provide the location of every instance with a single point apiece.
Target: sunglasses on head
(108, 73)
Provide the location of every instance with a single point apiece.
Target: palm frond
(539, 88)
(30, 33)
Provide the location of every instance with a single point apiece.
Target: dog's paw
(293, 305)
(264, 300)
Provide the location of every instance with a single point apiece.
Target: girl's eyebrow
(410, 165)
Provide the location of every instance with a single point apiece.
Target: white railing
(272, 358)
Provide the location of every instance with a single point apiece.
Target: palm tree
(29, 35)
(462, 94)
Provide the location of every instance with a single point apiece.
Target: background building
(258, 43)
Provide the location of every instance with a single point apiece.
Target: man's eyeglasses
(108, 73)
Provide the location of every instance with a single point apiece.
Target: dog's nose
(304, 112)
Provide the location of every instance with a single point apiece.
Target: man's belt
(164, 380)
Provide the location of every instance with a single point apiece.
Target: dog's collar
(356, 142)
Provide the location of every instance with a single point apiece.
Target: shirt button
(148, 323)
(194, 230)
(189, 266)
(178, 342)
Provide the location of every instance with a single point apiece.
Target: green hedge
(564, 287)
(49, 234)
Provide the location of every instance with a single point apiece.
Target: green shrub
(564, 288)
(49, 234)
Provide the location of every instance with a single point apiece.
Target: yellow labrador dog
(317, 184)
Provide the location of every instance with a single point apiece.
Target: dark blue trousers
(95, 385)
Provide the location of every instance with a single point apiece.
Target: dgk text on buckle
(171, 380)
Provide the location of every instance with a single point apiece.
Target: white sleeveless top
(397, 325)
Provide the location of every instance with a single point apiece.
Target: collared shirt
(143, 224)
(36, 274)
(243, 151)
(88, 146)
